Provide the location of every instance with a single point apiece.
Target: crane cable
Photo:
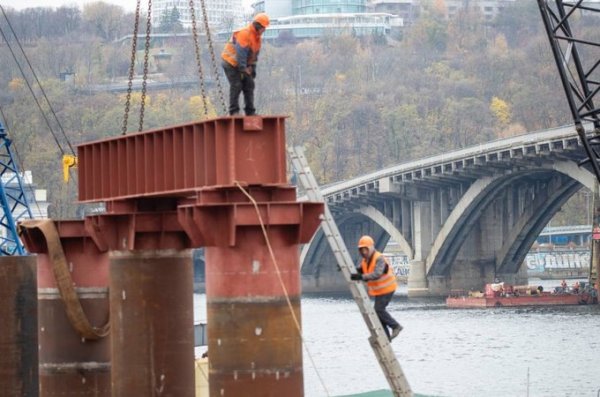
(146, 52)
(35, 98)
(198, 57)
(131, 66)
(213, 56)
(38, 83)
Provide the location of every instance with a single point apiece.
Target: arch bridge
(462, 218)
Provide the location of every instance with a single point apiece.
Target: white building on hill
(221, 13)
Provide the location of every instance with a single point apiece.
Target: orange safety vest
(246, 37)
(384, 284)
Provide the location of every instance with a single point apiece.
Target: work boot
(396, 331)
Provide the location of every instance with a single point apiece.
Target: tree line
(358, 104)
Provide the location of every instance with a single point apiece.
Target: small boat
(503, 294)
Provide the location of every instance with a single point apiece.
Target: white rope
(287, 298)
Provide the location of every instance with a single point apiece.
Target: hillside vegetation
(357, 104)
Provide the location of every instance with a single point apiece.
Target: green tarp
(379, 393)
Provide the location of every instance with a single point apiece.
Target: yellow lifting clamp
(68, 161)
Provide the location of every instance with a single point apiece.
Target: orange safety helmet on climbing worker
(384, 284)
(243, 47)
(366, 242)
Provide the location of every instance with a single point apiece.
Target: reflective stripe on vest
(384, 284)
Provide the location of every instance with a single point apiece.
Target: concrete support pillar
(444, 205)
(436, 213)
(152, 320)
(406, 228)
(18, 326)
(417, 279)
(397, 214)
(254, 343)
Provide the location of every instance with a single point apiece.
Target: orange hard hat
(263, 19)
(366, 241)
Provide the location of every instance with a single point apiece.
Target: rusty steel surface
(253, 342)
(250, 262)
(218, 214)
(88, 265)
(177, 160)
(69, 365)
(18, 326)
(138, 225)
(254, 348)
(208, 217)
(151, 303)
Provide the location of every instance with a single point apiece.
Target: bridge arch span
(364, 220)
(566, 179)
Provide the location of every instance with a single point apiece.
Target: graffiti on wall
(557, 260)
(537, 262)
(400, 264)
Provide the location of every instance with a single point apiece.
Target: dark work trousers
(239, 82)
(381, 302)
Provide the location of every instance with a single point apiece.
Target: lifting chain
(198, 58)
(131, 66)
(212, 56)
(146, 52)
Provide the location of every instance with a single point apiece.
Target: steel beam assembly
(219, 184)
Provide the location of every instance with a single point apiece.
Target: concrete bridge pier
(418, 283)
(417, 280)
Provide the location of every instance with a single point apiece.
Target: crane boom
(577, 58)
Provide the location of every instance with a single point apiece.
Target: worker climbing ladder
(378, 339)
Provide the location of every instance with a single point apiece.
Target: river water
(551, 351)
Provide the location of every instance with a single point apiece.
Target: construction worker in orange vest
(381, 282)
(239, 62)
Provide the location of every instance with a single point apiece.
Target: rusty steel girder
(177, 160)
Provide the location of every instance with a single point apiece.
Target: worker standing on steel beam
(240, 56)
(381, 283)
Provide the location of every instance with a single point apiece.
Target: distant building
(221, 13)
(317, 25)
(313, 18)
(302, 19)
(408, 10)
(488, 8)
(274, 8)
(309, 7)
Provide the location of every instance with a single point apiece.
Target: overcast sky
(20, 4)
